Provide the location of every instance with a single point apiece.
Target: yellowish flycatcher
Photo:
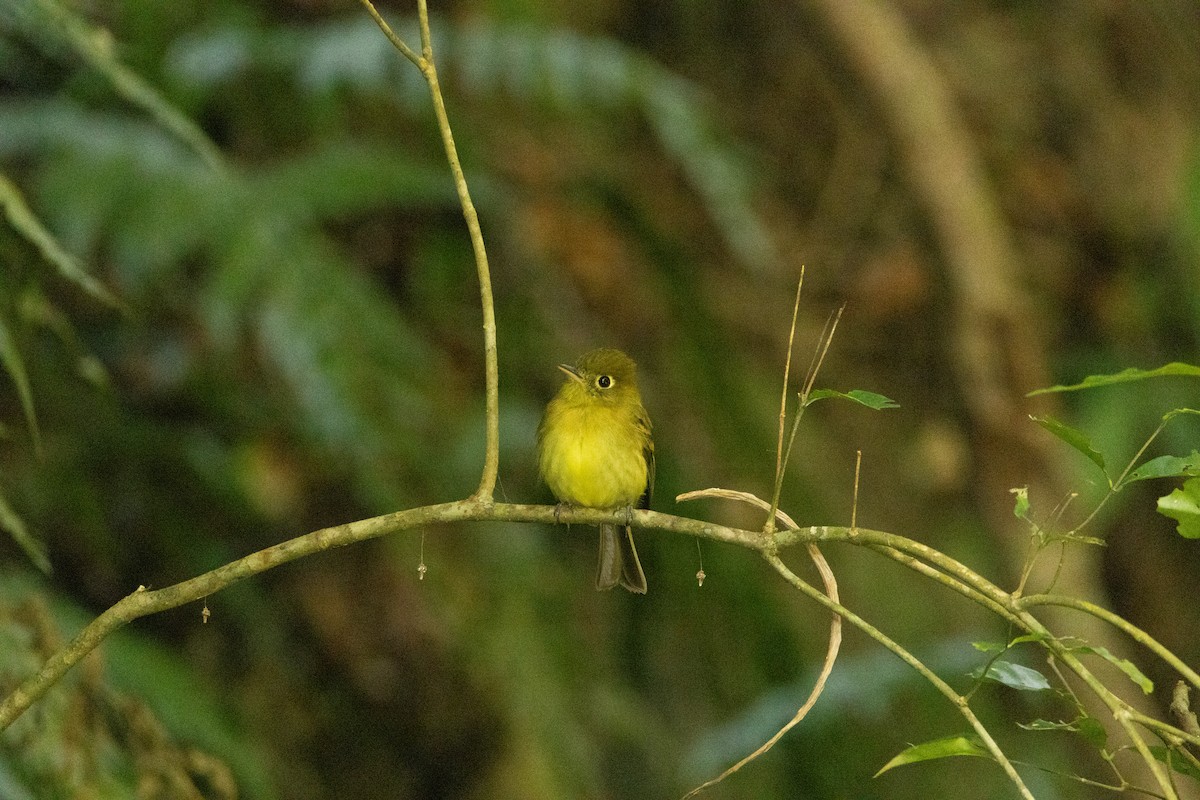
(595, 451)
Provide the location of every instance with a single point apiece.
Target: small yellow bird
(595, 451)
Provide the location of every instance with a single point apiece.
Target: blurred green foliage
(237, 303)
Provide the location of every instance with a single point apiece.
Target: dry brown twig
(835, 627)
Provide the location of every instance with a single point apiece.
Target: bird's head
(606, 375)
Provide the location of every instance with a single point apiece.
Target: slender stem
(1115, 486)
(914, 554)
(1131, 630)
(1164, 728)
(425, 62)
(769, 527)
(810, 377)
(944, 688)
(822, 349)
(949, 581)
(396, 41)
(1120, 710)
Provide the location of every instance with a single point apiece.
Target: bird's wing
(643, 424)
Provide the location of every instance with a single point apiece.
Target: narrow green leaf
(1124, 376)
(1183, 506)
(962, 745)
(96, 47)
(12, 522)
(27, 224)
(992, 647)
(14, 365)
(1167, 467)
(1021, 506)
(1087, 727)
(868, 399)
(1177, 762)
(1071, 437)
(1014, 676)
(1047, 725)
(1125, 665)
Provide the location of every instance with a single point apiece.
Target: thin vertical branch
(809, 379)
(769, 527)
(819, 355)
(425, 63)
(854, 502)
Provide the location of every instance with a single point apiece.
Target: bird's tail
(619, 562)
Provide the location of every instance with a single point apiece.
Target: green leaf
(1047, 725)
(1125, 665)
(1014, 676)
(1124, 376)
(93, 45)
(12, 522)
(1071, 437)
(1087, 727)
(14, 365)
(1021, 506)
(961, 745)
(992, 647)
(868, 399)
(26, 223)
(1183, 506)
(1167, 467)
(1091, 729)
(1177, 762)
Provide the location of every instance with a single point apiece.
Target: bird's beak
(571, 372)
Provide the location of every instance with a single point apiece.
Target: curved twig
(932, 677)
(835, 624)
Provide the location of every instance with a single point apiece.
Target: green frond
(59, 30)
(570, 73)
(14, 524)
(14, 365)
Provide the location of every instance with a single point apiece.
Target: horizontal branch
(144, 602)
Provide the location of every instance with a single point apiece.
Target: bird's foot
(558, 510)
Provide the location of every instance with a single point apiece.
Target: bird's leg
(628, 515)
(558, 510)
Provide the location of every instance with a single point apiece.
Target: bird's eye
(604, 381)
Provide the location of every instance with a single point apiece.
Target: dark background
(1005, 195)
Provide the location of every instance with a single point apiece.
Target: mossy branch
(1016, 610)
(924, 559)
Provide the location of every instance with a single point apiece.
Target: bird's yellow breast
(593, 455)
